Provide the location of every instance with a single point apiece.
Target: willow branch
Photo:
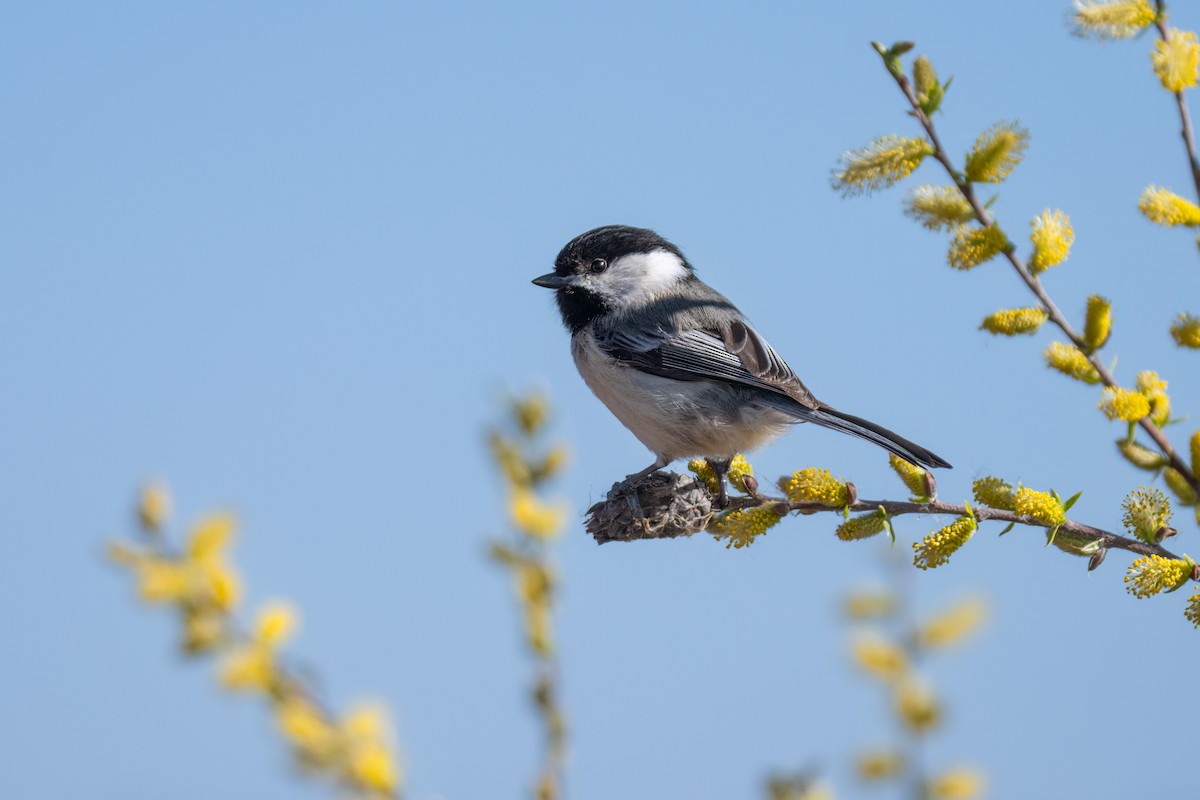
(666, 505)
(1035, 285)
(1185, 118)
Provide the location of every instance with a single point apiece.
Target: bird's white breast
(673, 418)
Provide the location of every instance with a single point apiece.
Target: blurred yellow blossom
(1114, 19)
(914, 477)
(1052, 238)
(1179, 486)
(1141, 456)
(1185, 330)
(1014, 321)
(938, 207)
(879, 765)
(973, 246)
(1194, 445)
(861, 605)
(936, 548)
(880, 164)
(154, 507)
(952, 625)
(916, 706)
(1150, 575)
(1164, 207)
(211, 536)
(276, 622)
(996, 153)
(1176, 60)
(1124, 404)
(306, 727)
(962, 783)
(879, 657)
(1070, 360)
(534, 517)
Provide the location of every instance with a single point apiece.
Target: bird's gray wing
(734, 353)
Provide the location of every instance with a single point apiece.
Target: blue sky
(279, 255)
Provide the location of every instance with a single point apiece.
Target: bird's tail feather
(863, 429)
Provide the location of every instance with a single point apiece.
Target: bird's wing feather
(735, 353)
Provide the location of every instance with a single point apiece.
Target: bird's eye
(599, 265)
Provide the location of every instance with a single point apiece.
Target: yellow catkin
(704, 471)
(880, 164)
(1154, 389)
(879, 765)
(1150, 575)
(973, 246)
(936, 548)
(961, 783)
(1098, 323)
(1185, 330)
(1164, 207)
(1112, 20)
(1039, 505)
(862, 605)
(1141, 456)
(953, 625)
(533, 517)
(996, 153)
(1052, 237)
(1015, 321)
(1194, 444)
(1179, 486)
(154, 507)
(917, 707)
(276, 622)
(211, 536)
(912, 476)
(1146, 511)
(864, 526)
(1193, 610)
(938, 207)
(994, 492)
(815, 485)
(1076, 544)
(1071, 361)
(925, 80)
(1176, 60)
(740, 528)
(879, 657)
(1124, 404)
(739, 468)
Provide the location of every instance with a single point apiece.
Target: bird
(677, 363)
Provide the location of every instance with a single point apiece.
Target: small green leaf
(1050, 536)
(1008, 528)
(1072, 500)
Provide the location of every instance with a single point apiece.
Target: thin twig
(1035, 285)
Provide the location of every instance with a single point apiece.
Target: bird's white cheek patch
(642, 275)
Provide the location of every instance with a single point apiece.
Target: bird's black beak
(552, 280)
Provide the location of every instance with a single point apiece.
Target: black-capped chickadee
(676, 362)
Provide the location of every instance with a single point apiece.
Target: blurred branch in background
(197, 579)
(890, 646)
(527, 466)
